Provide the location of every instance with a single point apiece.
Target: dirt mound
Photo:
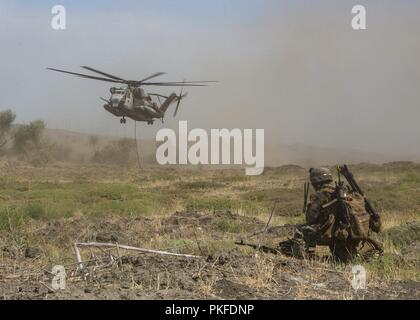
(399, 164)
(113, 229)
(217, 221)
(286, 168)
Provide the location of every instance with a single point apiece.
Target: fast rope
(137, 146)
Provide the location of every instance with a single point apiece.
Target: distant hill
(82, 147)
(305, 155)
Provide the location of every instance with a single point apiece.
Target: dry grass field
(44, 210)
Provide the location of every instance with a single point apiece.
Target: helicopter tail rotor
(179, 98)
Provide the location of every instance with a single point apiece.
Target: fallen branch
(327, 270)
(78, 256)
(78, 245)
(268, 223)
(47, 286)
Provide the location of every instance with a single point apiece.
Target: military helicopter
(132, 101)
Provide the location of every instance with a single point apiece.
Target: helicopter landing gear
(123, 120)
(150, 122)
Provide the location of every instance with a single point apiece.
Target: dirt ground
(234, 272)
(44, 210)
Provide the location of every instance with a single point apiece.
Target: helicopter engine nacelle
(139, 93)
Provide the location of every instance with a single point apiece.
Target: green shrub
(10, 218)
(34, 210)
(404, 234)
(199, 185)
(229, 225)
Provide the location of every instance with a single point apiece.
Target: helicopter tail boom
(165, 105)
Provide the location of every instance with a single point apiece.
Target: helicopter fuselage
(133, 103)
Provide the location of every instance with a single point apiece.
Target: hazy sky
(294, 68)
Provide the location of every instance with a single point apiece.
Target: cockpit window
(116, 91)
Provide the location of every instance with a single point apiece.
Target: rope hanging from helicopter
(137, 145)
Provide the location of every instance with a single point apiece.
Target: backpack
(347, 219)
(359, 218)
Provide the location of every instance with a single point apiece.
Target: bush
(7, 118)
(28, 137)
(120, 152)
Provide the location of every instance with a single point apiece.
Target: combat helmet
(319, 176)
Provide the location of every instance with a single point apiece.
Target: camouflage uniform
(316, 216)
(307, 236)
(318, 213)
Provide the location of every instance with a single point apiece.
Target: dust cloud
(295, 69)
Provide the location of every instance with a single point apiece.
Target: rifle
(344, 170)
(258, 247)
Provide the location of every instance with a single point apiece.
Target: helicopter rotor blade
(180, 97)
(103, 73)
(186, 82)
(171, 84)
(179, 83)
(182, 82)
(157, 74)
(115, 79)
(87, 76)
